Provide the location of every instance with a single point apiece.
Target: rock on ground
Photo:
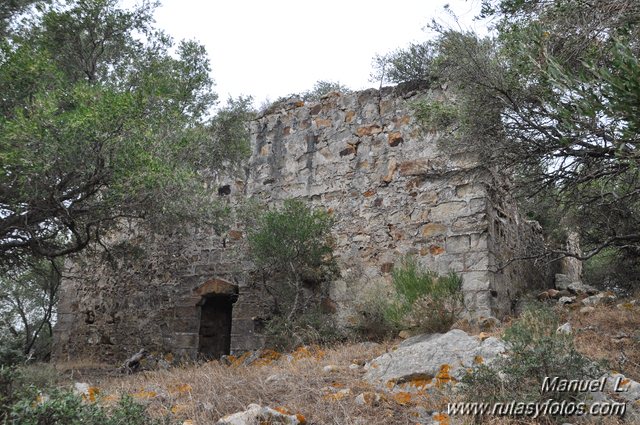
(258, 415)
(428, 356)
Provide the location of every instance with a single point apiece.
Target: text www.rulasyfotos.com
(551, 407)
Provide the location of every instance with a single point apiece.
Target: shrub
(424, 301)
(309, 328)
(64, 407)
(434, 114)
(536, 351)
(373, 322)
(292, 246)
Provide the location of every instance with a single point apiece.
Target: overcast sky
(271, 48)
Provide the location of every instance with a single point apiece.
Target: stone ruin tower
(393, 190)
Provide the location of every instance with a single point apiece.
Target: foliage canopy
(103, 117)
(550, 98)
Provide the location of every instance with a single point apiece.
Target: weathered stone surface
(600, 298)
(426, 356)
(581, 288)
(258, 415)
(343, 154)
(562, 281)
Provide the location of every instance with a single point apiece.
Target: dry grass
(612, 334)
(298, 383)
(204, 393)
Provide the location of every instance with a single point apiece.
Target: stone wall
(392, 189)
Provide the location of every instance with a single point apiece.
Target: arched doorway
(216, 307)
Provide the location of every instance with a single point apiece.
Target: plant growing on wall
(423, 300)
(291, 245)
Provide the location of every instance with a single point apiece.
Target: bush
(420, 301)
(424, 301)
(64, 407)
(373, 322)
(536, 351)
(292, 246)
(309, 328)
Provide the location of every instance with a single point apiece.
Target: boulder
(257, 415)
(433, 358)
(581, 288)
(562, 281)
(621, 389)
(601, 298)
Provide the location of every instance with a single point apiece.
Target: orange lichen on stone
(299, 104)
(91, 394)
(180, 389)
(420, 382)
(369, 193)
(238, 361)
(349, 116)
(402, 398)
(478, 360)
(144, 394)
(441, 418)
(179, 408)
(436, 250)
(444, 377)
(336, 396)
(267, 357)
(302, 353)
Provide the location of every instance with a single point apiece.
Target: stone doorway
(215, 326)
(216, 307)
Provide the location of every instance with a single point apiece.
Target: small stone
(330, 368)
(553, 293)
(404, 334)
(488, 323)
(566, 300)
(354, 366)
(601, 298)
(587, 310)
(564, 329)
(256, 414)
(276, 377)
(581, 288)
(368, 398)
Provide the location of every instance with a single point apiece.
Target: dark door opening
(215, 326)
